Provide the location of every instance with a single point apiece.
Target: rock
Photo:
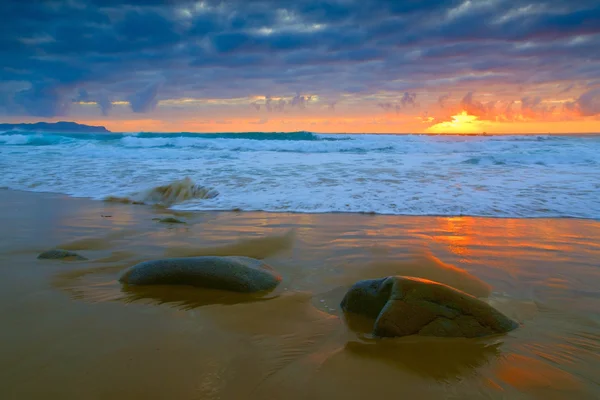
(402, 306)
(238, 274)
(59, 254)
(170, 220)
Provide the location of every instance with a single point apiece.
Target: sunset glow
(330, 67)
(460, 123)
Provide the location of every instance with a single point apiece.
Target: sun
(460, 123)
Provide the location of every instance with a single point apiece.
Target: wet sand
(71, 331)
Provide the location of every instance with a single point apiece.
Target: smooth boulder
(402, 306)
(60, 254)
(238, 274)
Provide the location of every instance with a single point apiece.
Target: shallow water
(72, 331)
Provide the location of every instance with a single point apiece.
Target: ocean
(521, 176)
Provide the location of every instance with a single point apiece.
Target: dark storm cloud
(104, 103)
(144, 100)
(101, 99)
(41, 101)
(119, 49)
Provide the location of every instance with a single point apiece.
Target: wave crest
(17, 138)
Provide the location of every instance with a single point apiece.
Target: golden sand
(71, 331)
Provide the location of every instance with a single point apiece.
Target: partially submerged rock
(402, 306)
(238, 274)
(60, 254)
(169, 220)
(167, 195)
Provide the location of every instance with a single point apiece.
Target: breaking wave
(167, 195)
(22, 139)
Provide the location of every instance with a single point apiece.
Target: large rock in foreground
(238, 274)
(404, 306)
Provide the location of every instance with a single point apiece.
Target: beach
(300, 200)
(72, 331)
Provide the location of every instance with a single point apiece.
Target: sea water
(496, 176)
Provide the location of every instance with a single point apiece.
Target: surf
(167, 195)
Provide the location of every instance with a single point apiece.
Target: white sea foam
(14, 139)
(508, 176)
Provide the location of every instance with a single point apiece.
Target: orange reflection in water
(536, 377)
(469, 236)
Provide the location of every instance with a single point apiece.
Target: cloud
(533, 107)
(279, 104)
(389, 106)
(530, 103)
(144, 100)
(104, 103)
(300, 101)
(408, 99)
(82, 95)
(567, 88)
(478, 108)
(588, 104)
(238, 48)
(274, 105)
(101, 100)
(443, 99)
(42, 100)
(527, 108)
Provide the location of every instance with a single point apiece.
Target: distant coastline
(74, 127)
(54, 127)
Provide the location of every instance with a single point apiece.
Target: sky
(356, 66)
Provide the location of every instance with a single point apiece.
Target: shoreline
(370, 213)
(73, 331)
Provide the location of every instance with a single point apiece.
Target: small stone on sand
(60, 254)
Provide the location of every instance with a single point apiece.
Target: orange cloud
(530, 114)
